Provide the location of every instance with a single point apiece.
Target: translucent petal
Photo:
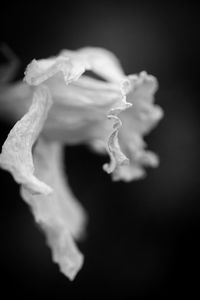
(145, 114)
(16, 156)
(138, 121)
(59, 213)
(41, 70)
(101, 61)
(83, 110)
(80, 107)
(86, 109)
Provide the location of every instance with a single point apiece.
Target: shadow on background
(142, 236)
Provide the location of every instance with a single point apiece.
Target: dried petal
(100, 61)
(138, 121)
(118, 159)
(87, 109)
(84, 110)
(59, 213)
(41, 70)
(16, 156)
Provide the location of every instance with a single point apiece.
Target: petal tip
(70, 269)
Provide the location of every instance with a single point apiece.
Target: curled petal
(87, 104)
(101, 61)
(88, 111)
(137, 122)
(43, 69)
(59, 214)
(114, 115)
(16, 155)
(117, 157)
(146, 114)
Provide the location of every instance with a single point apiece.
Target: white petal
(100, 61)
(41, 70)
(64, 250)
(138, 121)
(59, 213)
(16, 156)
(145, 114)
(85, 111)
(117, 157)
(85, 103)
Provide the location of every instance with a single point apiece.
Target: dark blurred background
(143, 236)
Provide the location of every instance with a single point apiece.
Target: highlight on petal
(101, 61)
(112, 115)
(16, 156)
(81, 102)
(146, 113)
(88, 110)
(137, 122)
(117, 157)
(41, 70)
(59, 214)
(78, 106)
(85, 102)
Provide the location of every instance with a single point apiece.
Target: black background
(143, 237)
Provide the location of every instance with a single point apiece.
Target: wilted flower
(57, 105)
